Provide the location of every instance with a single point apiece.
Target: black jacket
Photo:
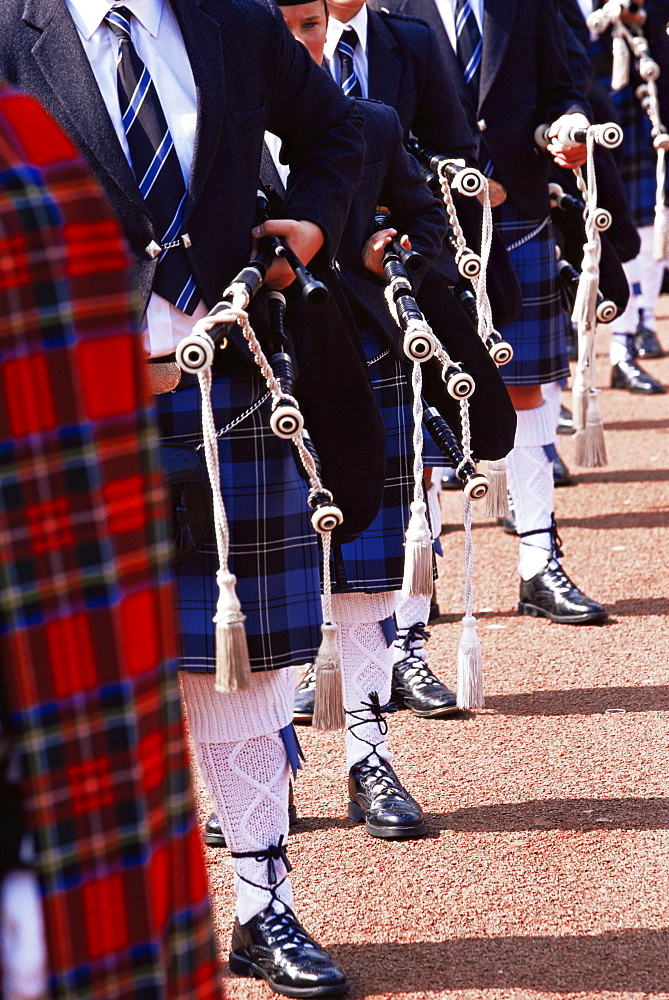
(525, 81)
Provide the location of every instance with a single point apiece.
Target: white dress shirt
(360, 62)
(446, 10)
(157, 39)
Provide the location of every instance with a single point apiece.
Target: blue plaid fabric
(274, 549)
(374, 562)
(635, 156)
(538, 335)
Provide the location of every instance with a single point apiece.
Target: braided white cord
(467, 510)
(236, 313)
(417, 384)
(592, 253)
(326, 597)
(450, 207)
(479, 282)
(211, 456)
(445, 357)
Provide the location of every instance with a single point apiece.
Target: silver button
(154, 249)
(482, 125)
(185, 239)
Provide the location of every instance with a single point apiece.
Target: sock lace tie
(556, 542)
(275, 852)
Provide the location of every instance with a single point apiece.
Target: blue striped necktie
(345, 49)
(469, 44)
(155, 164)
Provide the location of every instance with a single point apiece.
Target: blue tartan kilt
(273, 548)
(538, 335)
(635, 156)
(374, 562)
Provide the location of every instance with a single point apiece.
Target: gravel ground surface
(545, 872)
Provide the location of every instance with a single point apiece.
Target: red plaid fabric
(86, 602)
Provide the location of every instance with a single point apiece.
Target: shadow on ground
(592, 964)
(583, 701)
(558, 814)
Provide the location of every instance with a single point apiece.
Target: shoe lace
(378, 772)
(416, 670)
(556, 541)
(415, 634)
(308, 682)
(378, 712)
(286, 930)
(275, 852)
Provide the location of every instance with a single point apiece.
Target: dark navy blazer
(525, 81)
(407, 71)
(250, 76)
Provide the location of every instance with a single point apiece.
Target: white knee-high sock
(366, 668)
(644, 275)
(552, 393)
(244, 765)
(410, 611)
(530, 479)
(651, 274)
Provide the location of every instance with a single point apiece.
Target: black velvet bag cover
(337, 400)
(191, 504)
(492, 416)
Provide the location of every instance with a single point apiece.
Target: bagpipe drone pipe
(492, 417)
(567, 213)
(314, 353)
(503, 286)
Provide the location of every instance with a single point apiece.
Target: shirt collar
(88, 15)
(336, 29)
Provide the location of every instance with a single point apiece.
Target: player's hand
(638, 17)
(562, 150)
(372, 252)
(305, 239)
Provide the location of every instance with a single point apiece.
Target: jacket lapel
(384, 67)
(427, 11)
(498, 21)
(62, 61)
(205, 48)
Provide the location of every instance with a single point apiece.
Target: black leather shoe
(214, 836)
(305, 695)
(561, 474)
(508, 523)
(415, 687)
(449, 480)
(275, 947)
(565, 422)
(380, 802)
(551, 594)
(628, 375)
(646, 344)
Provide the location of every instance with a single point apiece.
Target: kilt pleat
(538, 335)
(635, 156)
(374, 562)
(273, 547)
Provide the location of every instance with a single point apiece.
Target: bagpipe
(195, 354)
(628, 42)
(461, 187)
(587, 298)
(422, 348)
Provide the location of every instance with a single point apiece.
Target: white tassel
(497, 499)
(590, 444)
(620, 73)
(660, 234)
(585, 304)
(233, 669)
(328, 700)
(418, 576)
(470, 667)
